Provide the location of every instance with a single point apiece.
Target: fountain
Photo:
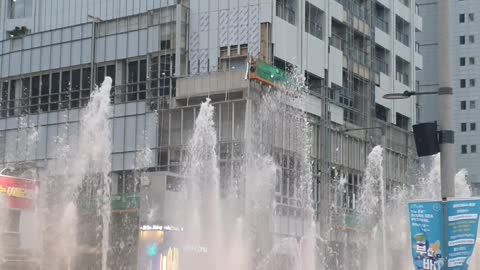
(221, 223)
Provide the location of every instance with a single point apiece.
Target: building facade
(165, 57)
(464, 62)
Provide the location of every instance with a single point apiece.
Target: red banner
(19, 192)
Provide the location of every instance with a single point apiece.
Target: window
(286, 10)
(462, 18)
(471, 60)
(313, 20)
(462, 61)
(473, 149)
(463, 105)
(137, 77)
(471, 39)
(402, 121)
(472, 104)
(463, 127)
(471, 17)
(473, 126)
(463, 83)
(20, 9)
(472, 82)
(464, 149)
(462, 40)
(381, 112)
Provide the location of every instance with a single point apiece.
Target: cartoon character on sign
(428, 256)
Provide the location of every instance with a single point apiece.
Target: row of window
(462, 39)
(462, 17)
(463, 105)
(463, 61)
(70, 89)
(313, 16)
(463, 127)
(473, 149)
(471, 83)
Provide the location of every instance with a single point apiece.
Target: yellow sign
(14, 192)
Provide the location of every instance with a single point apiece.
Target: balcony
(359, 11)
(403, 78)
(360, 56)
(403, 38)
(339, 43)
(382, 24)
(381, 66)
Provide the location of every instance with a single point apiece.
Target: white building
(464, 48)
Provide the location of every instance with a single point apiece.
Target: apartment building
(464, 62)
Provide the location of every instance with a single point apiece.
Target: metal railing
(338, 43)
(381, 66)
(314, 29)
(403, 38)
(403, 78)
(382, 24)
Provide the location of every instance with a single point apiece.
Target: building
(165, 57)
(464, 62)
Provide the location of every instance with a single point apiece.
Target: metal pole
(384, 197)
(445, 94)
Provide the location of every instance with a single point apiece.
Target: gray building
(165, 57)
(464, 65)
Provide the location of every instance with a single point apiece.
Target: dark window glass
(463, 83)
(463, 105)
(45, 85)
(133, 72)
(463, 127)
(111, 73)
(473, 126)
(464, 149)
(76, 79)
(55, 83)
(86, 73)
(473, 148)
(35, 86)
(66, 81)
(100, 75)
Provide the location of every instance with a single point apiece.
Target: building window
(286, 10)
(20, 9)
(472, 104)
(462, 61)
(473, 149)
(471, 60)
(471, 39)
(473, 126)
(463, 83)
(471, 17)
(472, 82)
(313, 20)
(462, 18)
(462, 40)
(463, 105)
(381, 112)
(464, 149)
(402, 121)
(463, 127)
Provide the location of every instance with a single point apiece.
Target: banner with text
(426, 226)
(428, 230)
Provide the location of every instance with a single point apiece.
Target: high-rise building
(165, 57)
(464, 64)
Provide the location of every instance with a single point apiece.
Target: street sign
(443, 231)
(125, 202)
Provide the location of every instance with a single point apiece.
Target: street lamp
(407, 94)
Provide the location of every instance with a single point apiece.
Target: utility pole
(445, 94)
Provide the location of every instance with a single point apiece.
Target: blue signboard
(426, 226)
(428, 230)
(462, 228)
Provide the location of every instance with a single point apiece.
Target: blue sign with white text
(462, 228)
(426, 228)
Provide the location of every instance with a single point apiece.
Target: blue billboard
(426, 226)
(436, 237)
(462, 225)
